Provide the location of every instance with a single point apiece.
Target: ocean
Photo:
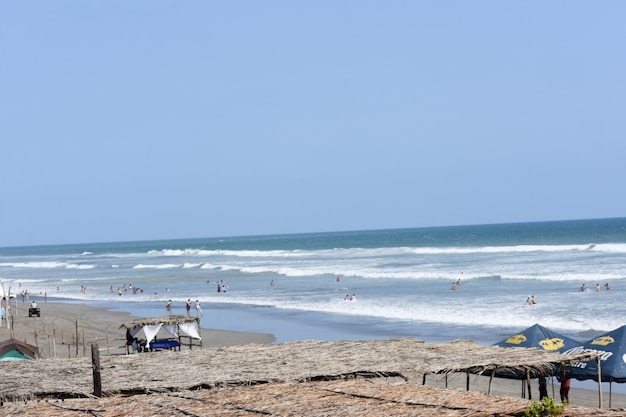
(294, 286)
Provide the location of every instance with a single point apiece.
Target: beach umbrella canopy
(14, 355)
(536, 336)
(13, 349)
(539, 337)
(611, 347)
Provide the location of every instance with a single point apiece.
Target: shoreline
(54, 333)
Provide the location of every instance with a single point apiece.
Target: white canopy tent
(175, 326)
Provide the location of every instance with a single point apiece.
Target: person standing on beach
(188, 307)
(564, 391)
(168, 307)
(543, 389)
(198, 309)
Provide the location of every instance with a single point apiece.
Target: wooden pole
(95, 364)
(36, 340)
(530, 395)
(54, 343)
(598, 361)
(76, 338)
(493, 371)
(467, 379)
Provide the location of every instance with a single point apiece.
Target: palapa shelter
(404, 359)
(176, 327)
(15, 350)
(353, 397)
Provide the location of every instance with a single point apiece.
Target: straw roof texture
(174, 319)
(163, 371)
(356, 398)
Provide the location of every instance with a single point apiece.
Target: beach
(54, 333)
(59, 322)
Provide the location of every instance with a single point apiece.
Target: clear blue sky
(133, 120)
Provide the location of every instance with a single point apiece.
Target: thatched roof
(176, 319)
(354, 398)
(252, 364)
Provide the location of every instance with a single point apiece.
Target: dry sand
(59, 322)
(54, 333)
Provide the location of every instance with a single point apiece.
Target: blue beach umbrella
(539, 337)
(611, 347)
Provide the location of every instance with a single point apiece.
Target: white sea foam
(400, 284)
(156, 266)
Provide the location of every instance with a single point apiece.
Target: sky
(142, 120)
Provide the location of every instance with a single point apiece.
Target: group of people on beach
(188, 303)
(531, 300)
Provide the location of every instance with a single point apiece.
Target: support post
(76, 339)
(598, 362)
(95, 364)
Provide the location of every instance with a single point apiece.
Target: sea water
(295, 286)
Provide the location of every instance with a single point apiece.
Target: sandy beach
(60, 324)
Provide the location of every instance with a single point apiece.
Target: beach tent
(611, 347)
(4, 292)
(611, 364)
(536, 336)
(175, 326)
(539, 337)
(14, 350)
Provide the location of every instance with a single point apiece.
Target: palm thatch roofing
(167, 320)
(303, 361)
(354, 397)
